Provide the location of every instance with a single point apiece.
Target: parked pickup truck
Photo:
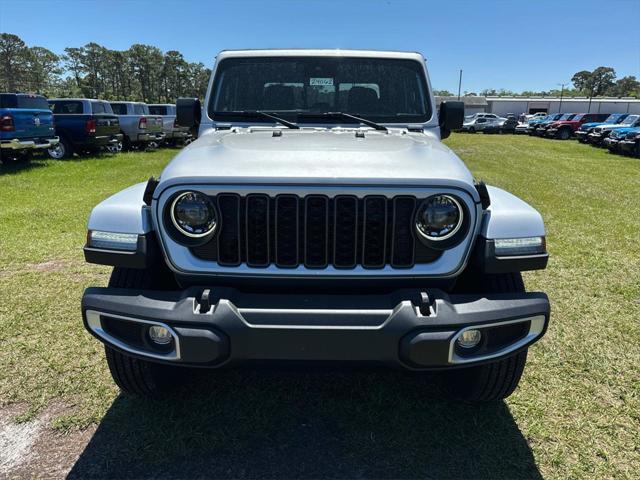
(26, 124)
(564, 129)
(139, 128)
(318, 218)
(585, 129)
(84, 125)
(174, 133)
(616, 136)
(630, 144)
(599, 134)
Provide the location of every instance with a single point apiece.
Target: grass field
(576, 413)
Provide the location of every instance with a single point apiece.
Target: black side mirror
(450, 117)
(188, 112)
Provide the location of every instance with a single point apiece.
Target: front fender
(510, 217)
(123, 212)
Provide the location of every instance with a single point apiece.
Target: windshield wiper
(364, 121)
(259, 113)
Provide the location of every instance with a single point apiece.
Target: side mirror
(451, 116)
(188, 112)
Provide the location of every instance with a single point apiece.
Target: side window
(119, 108)
(482, 120)
(8, 100)
(98, 107)
(138, 109)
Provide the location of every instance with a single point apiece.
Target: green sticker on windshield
(321, 81)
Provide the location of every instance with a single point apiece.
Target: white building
(517, 105)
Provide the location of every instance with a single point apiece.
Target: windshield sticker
(321, 81)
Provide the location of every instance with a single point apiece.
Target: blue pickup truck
(84, 125)
(26, 124)
(583, 132)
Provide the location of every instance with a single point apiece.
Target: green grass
(576, 413)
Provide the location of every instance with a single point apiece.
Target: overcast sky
(515, 45)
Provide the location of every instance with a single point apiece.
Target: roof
(469, 101)
(564, 99)
(77, 99)
(320, 52)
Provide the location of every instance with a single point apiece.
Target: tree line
(140, 73)
(597, 83)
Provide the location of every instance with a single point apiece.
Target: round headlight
(439, 218)
(193, 214)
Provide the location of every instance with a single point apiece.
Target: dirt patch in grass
(31, 449)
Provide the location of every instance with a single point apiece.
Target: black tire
(133, 375)
(472, 130)
(492, 381)
(62, 150)
(564, 134)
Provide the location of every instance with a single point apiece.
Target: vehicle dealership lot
(574, 414)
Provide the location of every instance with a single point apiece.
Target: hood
(317, 156)
(588, 125)
(624, 130)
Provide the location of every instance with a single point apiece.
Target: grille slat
(345, 240)
(287, 232)
(402, 242)
(316, 231)
(257, 230)
(374, 235)
(229, 237)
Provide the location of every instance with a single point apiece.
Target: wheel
(564, 134)
(492, 381)
(126, 143)
(133, 375)
(636, 150)
(62, 150)
(472, 130)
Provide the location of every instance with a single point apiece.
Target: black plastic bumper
(407, 328)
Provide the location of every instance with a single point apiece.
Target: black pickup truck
(84, 125)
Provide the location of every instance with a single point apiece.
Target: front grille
(315, 231)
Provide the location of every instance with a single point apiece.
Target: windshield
(612, 118)
(578, 117)
(378, 89)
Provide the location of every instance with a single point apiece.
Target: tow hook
(425, 304)
(205, 301)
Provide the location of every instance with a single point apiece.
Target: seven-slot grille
(315, 231)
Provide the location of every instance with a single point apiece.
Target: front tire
(564, 134)
(133, 375)
(492, 381)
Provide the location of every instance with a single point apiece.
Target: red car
(564, 129)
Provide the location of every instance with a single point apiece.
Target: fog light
(469, 338)
(159, 335)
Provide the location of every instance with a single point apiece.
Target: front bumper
(17, 144)
(595, 137)
(627, 145)
(611, 143)
(413, 329)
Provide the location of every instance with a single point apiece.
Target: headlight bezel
(178, 233)
(450, 239)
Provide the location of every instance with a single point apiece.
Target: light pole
(561, 95)
(459, 84)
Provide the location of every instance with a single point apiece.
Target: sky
(515, 45)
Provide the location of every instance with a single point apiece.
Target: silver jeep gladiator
(318, 218)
